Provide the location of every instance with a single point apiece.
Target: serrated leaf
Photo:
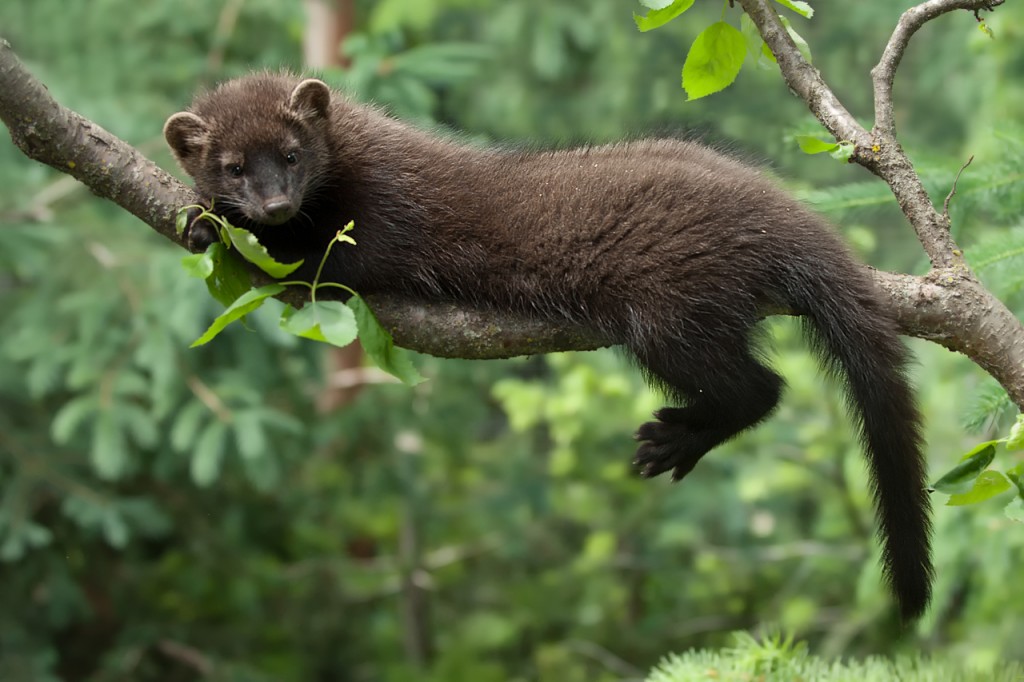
(714, 60)
(801, 8)
(379, 345)
(209, 452)
(659, 17)
(245, 304)
(958, 479)
(328, 321)
(230, 278)
(1015, 441)
(245, 243)
(988, 484)
(812, 145)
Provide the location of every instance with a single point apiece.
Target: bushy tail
(857, 343)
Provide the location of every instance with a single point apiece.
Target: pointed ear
(187, 135)
(311, 99)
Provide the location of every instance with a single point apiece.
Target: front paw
(199, 232)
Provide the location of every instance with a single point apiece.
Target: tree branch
(949, 306)
(885, 71)
(58, 137)
(877, 150)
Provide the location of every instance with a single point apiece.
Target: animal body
(667, 247)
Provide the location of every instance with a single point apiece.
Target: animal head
(256, 145)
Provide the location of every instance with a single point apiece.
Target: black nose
(278, 207)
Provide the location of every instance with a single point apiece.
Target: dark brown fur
(670, 248)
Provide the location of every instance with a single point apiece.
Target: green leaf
(230, 278)
(108, 454)
(243, 305)
(379, 345)
(843, 152)
(958, 479)
(181, 220)
(1015, 441)
(812, 145)
(209, 452)
(801, 8)
(801, 44)
(115, 530)
(988, 484)
(249, 435)
(714, 60)
(328, 321)
(1016, 474)
(1015, 510)
(245, 243)
(186, 425)
(200, 264)
(659, 17)
(70, 416)
(757, 50)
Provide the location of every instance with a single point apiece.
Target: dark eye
(235, 170)
(292, 158)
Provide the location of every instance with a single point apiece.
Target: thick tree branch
(948, 308)
(111, 168)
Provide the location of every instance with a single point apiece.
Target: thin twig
(952, 191)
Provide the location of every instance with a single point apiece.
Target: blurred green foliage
(173, 514)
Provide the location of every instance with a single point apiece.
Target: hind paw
(664, 447)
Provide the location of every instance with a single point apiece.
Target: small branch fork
(948, 305)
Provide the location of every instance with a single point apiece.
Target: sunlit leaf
(245, 304)
(200, 264)
(1015, 441)
(714, 60)
(988, 484)
(328, 321)
(798, 6)
(813, 145)
(959, 479)
(245, 243)
(661, 16)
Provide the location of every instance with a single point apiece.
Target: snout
(277, 210)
